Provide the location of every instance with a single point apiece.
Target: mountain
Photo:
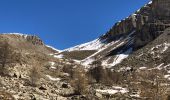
(131, 61)
(24, 59)
(127, 35)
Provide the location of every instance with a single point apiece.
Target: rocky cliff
(148, 23)
(34, 39)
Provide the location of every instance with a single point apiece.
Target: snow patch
(19, 34)
(53, 48)
(52, 65)
(159, 67)
(167, 66)
(113, 91)
(90, 59)
(120, 57)
(92, 45)
(167, 77)
(59, 56)
(162, 48)
(142, 68)
(53, 79)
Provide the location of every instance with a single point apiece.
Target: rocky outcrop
(148, 23)
(34, 40)
(161, 9)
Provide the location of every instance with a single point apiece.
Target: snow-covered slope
(53, 48)
(92, 45)
(120, 41)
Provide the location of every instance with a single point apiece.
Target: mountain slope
(128, 35)
(32, 63)
(131, 61)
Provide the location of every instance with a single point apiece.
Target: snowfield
(92, 45)
(120, 57)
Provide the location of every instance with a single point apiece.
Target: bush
(7, 56)
(34, 76)
(79, 81)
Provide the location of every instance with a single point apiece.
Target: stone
(15, 75)
(99, 95)
(64, 85)
(42, 88)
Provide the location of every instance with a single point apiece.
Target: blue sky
(64, 23)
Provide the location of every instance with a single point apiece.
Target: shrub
(34, 76)
(79, 81)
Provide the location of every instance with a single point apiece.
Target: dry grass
(79, 55)
(6, 96)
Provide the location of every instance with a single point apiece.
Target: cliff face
(161, 9)
(148, 23)
(35, 40)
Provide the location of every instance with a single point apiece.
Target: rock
(64, 85)
(20, 76)
(148, 23)
(33, 97)
(42, 88)
(161, 8)
(99, 95)
(15, 75)
(61, 98)
(78, 97)
(34, 40)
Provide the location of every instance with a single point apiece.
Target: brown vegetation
(7, 56)
(34, 75)
(79, 81)
(6, 96)
(79, 55)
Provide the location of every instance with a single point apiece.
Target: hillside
(128, 35)
(130, 62)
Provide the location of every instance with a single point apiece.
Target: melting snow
(167, 77)
(52, 65)
(166, 46)
(167, 66)
(87, 61)
(135, 95)
(92, 45)
(90, 59)
(168, 72)
(53, 79)
(120, 57)
(113, 91)
(53, 48)
(159, 67)
(162, 47)
(59, 56)
(142, 68)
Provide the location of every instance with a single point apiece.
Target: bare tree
(79, 81)
(7, 56)
(34, 76)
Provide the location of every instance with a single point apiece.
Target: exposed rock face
(34, 39)
(161, 9)
(148, 22)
